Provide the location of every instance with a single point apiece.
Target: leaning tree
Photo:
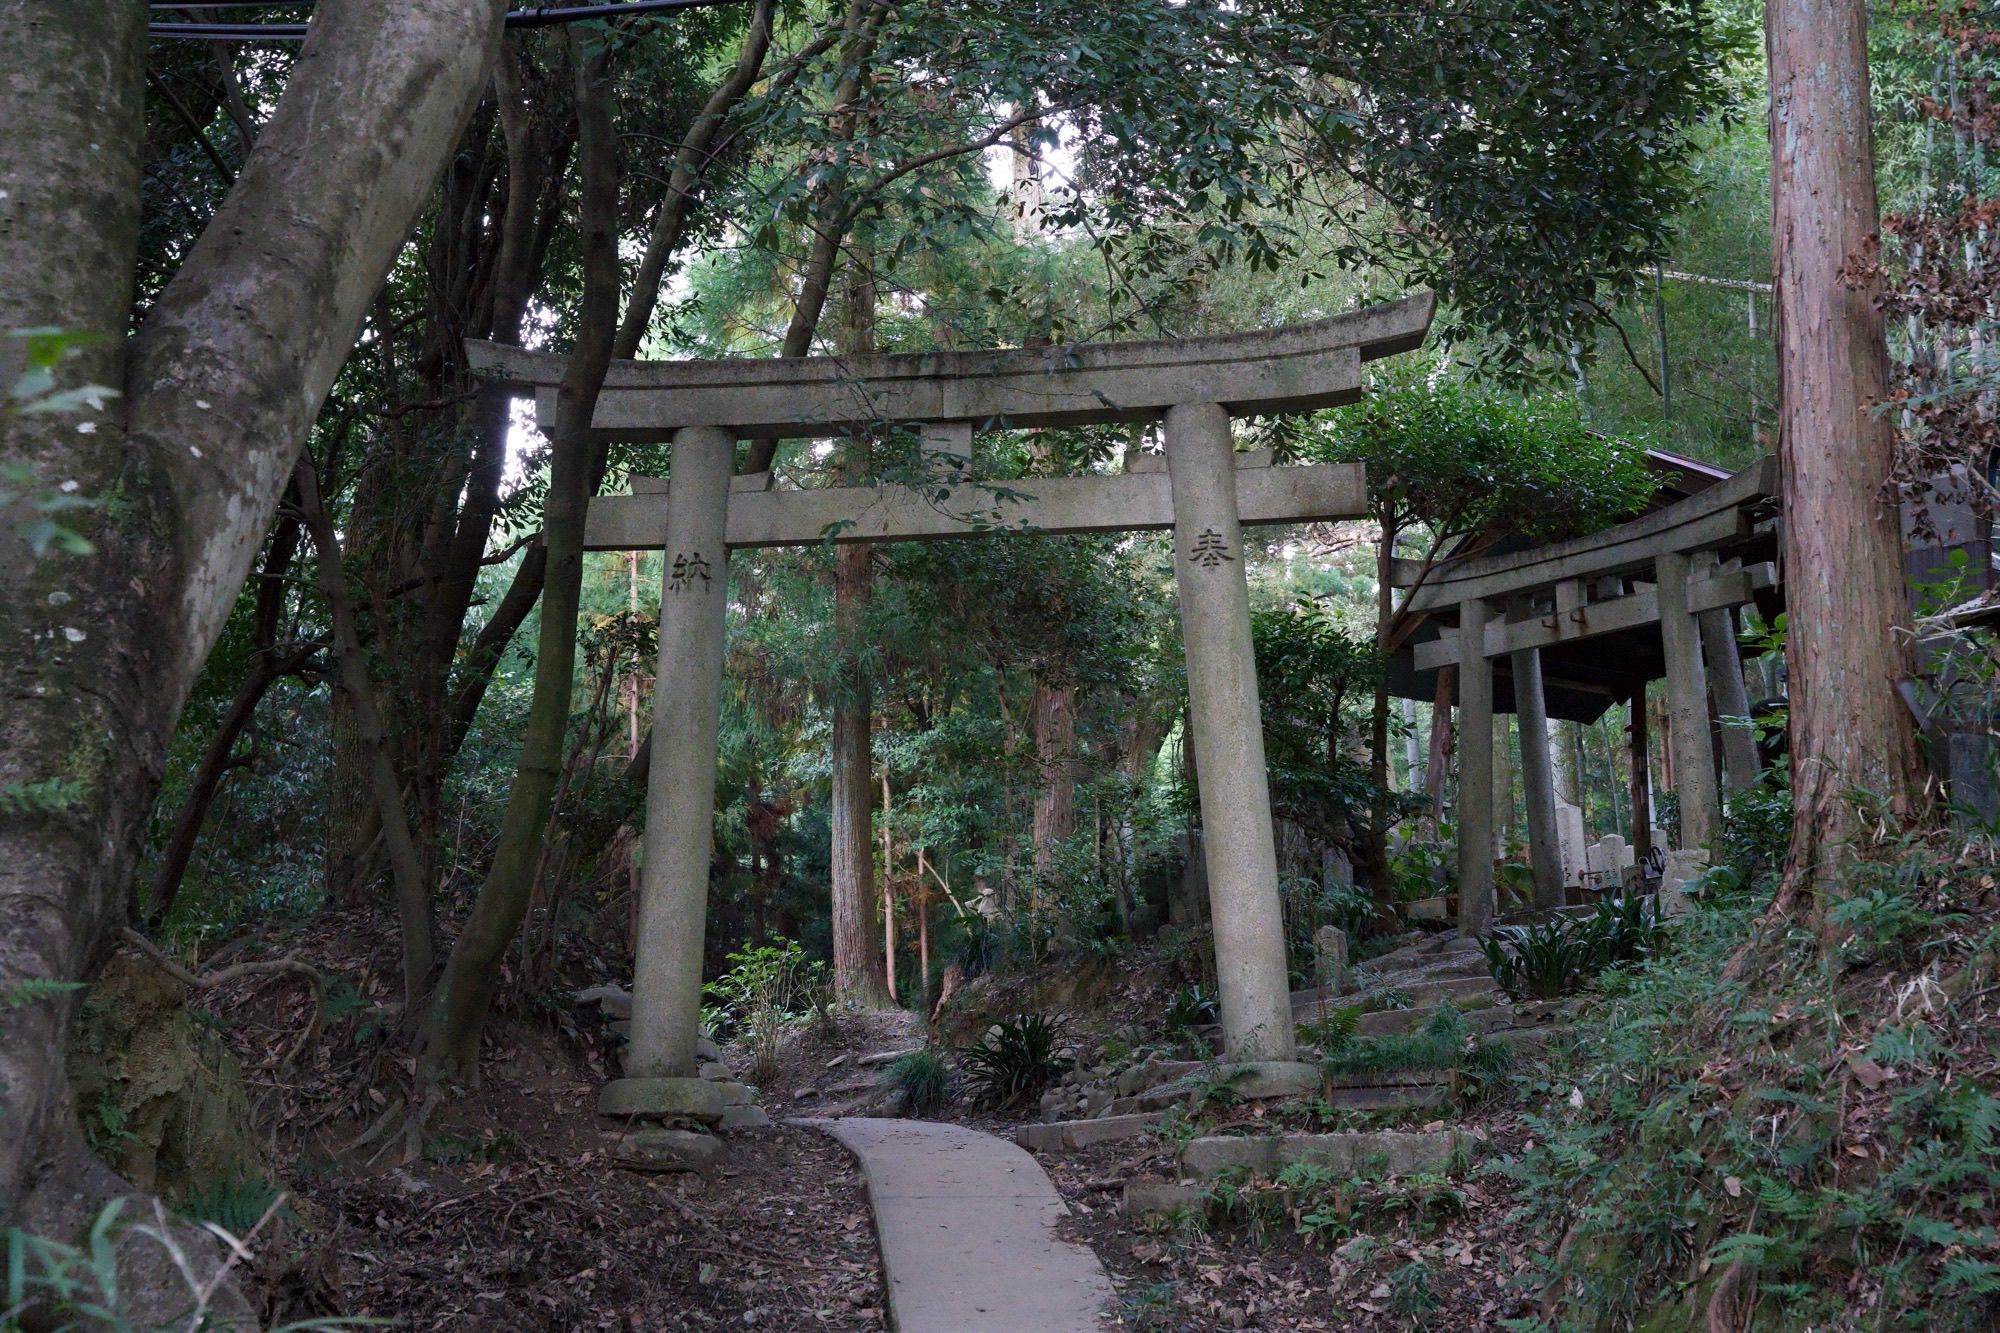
(217, 387)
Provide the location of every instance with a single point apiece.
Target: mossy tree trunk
(472, 972)
(220, 385)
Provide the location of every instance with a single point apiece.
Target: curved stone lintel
(1297, 368)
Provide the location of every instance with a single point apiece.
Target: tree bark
(888, 895)
(1052, 722)
(465, 994)
(859, 974)
(221, 383)
(1437, 764)
(1847, 646)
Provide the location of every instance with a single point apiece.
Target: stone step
(1151, 1202)
(1070, 1135)
(1386, 1022)
(1387, 1078)
(1534, 1039)
(1398, 1152)
(1381, 1099)
(1308, 1006)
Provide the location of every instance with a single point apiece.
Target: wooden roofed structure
(1570, 629)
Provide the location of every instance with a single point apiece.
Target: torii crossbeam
(1206, 493)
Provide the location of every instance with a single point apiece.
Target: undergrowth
(1807, 1140)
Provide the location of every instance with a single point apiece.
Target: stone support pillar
(1732, 697)
(1639, 791)
(1538, 780)
(1475, 770)
(1687, 706)
(1237, 837)
(680, 791)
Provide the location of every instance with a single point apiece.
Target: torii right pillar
(1237, 841)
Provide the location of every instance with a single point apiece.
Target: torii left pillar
(660, 1065)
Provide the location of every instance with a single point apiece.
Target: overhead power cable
(536, 16)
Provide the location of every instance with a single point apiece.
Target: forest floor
(513, 1217)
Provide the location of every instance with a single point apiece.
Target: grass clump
(1018, 1059)
(1443, 1042)
(922, 1082)
(1547, 960)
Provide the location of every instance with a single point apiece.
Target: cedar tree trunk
(1848, 642)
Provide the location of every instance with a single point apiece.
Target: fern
(30, 989)
(43, 796)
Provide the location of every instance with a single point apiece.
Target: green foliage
(234, 1204)
(1325, 1206)
(767, 989)
(69, 1288)
(1017, 1059)
(922, 1081)
(1558, 956)
(1454, 460)
(1189, 1008)
(47, 796)
(1757, 826)
(1712, 1115)
(34, 393)
(1410, 1293)
(1414, 866)
(1335, 1028)
(29, 990)
(1314, 678)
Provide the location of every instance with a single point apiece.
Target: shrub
(1191, 1007)
(1547, 960)
(922, 1082)
(767, 988)
(1016, 1061)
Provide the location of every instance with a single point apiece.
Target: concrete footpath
(966, 1222)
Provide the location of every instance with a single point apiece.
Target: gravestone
(1609, 858)
(1572, 840)
(1330, 957)
(1683, 869)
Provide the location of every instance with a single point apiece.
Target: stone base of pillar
(656, 1149)
(697, 1099)
(1274, 1078)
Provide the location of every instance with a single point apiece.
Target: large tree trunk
(1372, 854)
(1052, 722)
(1437, 764)
(1847, 645)
(413, 888)
(473, 971)
(221, 385)
(859, 970)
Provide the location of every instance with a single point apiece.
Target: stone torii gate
(1206, 493)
